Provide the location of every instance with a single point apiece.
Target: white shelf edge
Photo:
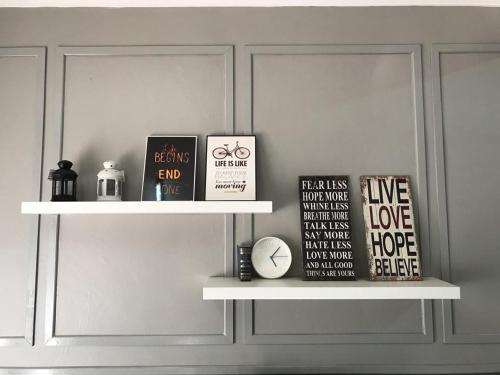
(231, 288)
(136, 207)
(240, 3)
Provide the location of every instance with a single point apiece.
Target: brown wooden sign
(326, 228)
(393, 252)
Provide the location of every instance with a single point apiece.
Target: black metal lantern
(63, 182)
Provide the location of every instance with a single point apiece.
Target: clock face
(271, 257)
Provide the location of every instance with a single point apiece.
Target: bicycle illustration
(224, 152)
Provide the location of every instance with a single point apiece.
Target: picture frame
(326, 227)
(392, 240)
(169, 168)
(230, 168)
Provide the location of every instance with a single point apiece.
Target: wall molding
(422, 213)
(449, 334)
(31, 287)
(53, 223)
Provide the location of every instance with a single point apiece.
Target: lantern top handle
(64, 171)
(65, 164)
(110, 164)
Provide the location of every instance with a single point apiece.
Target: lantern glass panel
(58, 190)
(99, 187)
(119, 188)
(110, 187)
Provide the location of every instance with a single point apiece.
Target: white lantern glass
(110, 182)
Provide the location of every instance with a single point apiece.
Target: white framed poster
(230, 169)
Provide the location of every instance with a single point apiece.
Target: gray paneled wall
(327, 91)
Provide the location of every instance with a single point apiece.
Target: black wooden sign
(326, 228)
(169, 168)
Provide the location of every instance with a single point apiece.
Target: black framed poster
(326, 228)
(391, 238)
(230, 172)
(169, 168)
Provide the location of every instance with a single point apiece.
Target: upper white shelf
(227, 288)
(131, 207)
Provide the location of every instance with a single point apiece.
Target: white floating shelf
(231, 288)
(131, 207)
(241, 3)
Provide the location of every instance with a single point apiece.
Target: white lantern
(110, 182)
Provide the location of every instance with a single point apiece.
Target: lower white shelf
(289, 288)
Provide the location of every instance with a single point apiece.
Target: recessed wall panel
(112, 103)
(21, 126)
(139, 275)
(335, 113)
(471, 133)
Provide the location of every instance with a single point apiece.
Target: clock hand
(271, 257)
(279, 247)
(275, 256)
